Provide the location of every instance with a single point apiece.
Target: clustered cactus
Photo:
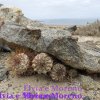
(42, 63)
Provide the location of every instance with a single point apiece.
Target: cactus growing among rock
(18, 63)
(42, 63)
(58, 72)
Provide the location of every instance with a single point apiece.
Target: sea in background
(68, 21)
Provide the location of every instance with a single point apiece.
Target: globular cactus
(58, 72)
(18, 63)
(42, 63)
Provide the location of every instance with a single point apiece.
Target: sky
(57, 9)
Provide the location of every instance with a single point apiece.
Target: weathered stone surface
(12, 32)
(91, 57)
(66, 50)
(78, 55)
(51, 34)
(34, 39)
(59, 43)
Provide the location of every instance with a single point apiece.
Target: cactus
(42, 63)
(18, 63)
(58, 72)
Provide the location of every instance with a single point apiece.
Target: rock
(86, 98)
(3, 70)
(35, 39)
(66, 50)
(14, 33)
(2, 73)
(3, 46)
(73, 73)
(82, 56)
(15, 14)
(5, 49)
(87, 83)
(72, 28)
(91, 57)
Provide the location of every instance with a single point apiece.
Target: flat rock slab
(35, 39)
(15, 33)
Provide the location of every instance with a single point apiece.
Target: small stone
(73, 28)
(2, 78)
(86, 98)
(5, 49)
(73, 73)
(88, 83)
(2, 74)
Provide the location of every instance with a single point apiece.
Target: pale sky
(50, 9)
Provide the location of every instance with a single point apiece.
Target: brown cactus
(58, 72)
(18, 63)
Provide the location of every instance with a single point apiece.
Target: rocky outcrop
(16, 15)
(35, 39)
(56, 42)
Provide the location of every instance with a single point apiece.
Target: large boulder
(15, 33)
(66, 50)
(35, 39)
(82, 56)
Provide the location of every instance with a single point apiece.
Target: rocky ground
(73, 47)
